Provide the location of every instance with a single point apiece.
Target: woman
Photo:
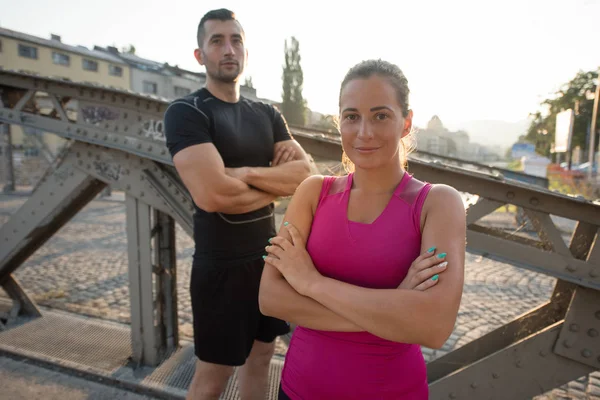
(352, 250)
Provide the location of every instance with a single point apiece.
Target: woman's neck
(378, 180)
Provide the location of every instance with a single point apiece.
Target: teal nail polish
(441, 255)
(286, 223)
(435, 277)
(264, 257)
(270, 240)
(431, 249)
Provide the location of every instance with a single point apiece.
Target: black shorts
(227, 319)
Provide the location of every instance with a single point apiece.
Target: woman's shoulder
(443, 196)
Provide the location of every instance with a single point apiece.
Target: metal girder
(152, 282)
(482, 208)
(22, 303)
(496, 340)
(579, 338)
(145, 340)
(563, 267)
(166, 284)
(63, 193)
(138, 177)
(520, 371)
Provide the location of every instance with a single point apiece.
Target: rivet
(163, 152)
(89, 153)
(142, 194)
(593, 333)
(519, 363)
(51, 193)
(452, 395)
(89, 166)
(155, 169)
(106, 126)
(149, 148)
(571, 268)
(41, 203)
(96, 135)
(116, 139)
(78, 130)
(84, 133)
(33, 213)
(510, 195)
(15, 231)
(105, 137)
(80, 162)
(574, 328)
(534, 201)
(128, 187)
(139, 146)
(78, 155)
(124, 115)
(594, 273)
(567, 343)
(586, 353)
(474, 385)
(125, 141)
(495, 375)
(126, 128)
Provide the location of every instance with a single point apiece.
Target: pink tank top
(359, 365)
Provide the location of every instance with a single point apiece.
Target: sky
(465, 60)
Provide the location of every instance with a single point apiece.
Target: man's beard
(225, 77)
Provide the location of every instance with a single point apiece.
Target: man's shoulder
(259, 105)
(194, 101)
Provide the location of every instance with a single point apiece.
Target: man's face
(223, 53)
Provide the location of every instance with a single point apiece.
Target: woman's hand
(292, 260)
(424, 271)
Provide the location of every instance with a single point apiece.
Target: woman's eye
(381, 116)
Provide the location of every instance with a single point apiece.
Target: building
(438, 139)
(53, 58)
(161, 79)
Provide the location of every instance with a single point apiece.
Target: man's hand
(283, 154)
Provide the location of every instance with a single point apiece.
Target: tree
(248, 82)
(572, 95)
(293, 105)
(128, 49)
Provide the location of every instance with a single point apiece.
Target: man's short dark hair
(222, 14)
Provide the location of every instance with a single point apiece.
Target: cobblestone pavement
(83, 269)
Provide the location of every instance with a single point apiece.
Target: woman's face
(371, 122)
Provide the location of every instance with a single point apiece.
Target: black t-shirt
(244, 133)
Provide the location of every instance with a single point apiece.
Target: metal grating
(71, 340)
(103, 349)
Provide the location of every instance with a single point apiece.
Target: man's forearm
(281, 180)
(243, 202)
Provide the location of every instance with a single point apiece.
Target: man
(235, 156)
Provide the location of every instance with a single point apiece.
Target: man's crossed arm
(289, 168)
(215, 188)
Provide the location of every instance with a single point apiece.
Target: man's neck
(228, 92)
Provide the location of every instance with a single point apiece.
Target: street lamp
(593, 127)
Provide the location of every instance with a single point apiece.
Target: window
(28, 51)
(181, 91)
(61, 59)
(149, 87)
(115, 70)
(90, 65)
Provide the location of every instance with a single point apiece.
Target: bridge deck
(101, 350)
